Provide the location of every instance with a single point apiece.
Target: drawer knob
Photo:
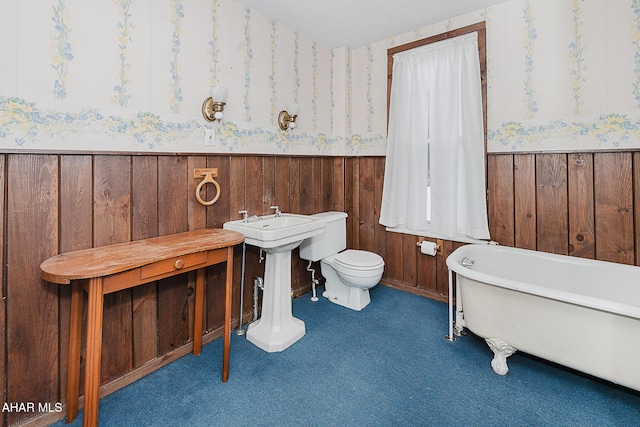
(178, 264)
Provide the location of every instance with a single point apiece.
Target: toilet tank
(332, 241)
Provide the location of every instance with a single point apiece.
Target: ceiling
(354, 23)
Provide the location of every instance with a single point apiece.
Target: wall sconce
(213, 106)
(287, 119)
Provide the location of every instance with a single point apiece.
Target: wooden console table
(121, 266)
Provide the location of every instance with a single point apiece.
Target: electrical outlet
(209, 136)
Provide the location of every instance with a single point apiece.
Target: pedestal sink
(278, 235)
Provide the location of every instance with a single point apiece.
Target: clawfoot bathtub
(580, 313)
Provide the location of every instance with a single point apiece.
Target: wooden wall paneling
(367, 199)
(581, 205)
(269, 185)
(442, 271)
(524, 182)
(350, 200)
(112, 216)
(355, 207)
(409, 256)
(500, 203)
(236, 186)
(295, 182)
(175, 294)
(196, 212)
(221, 211)
(76, 232)
(254, 184)
(338, 185)
(613, 182)
(31, 304)
(327, 184)
(144, 224)
(552, 210)
(283, 184)
(394, 259)
(380, 232)
(144, 197)
(316, 171)
(306, 186)
(427, 270)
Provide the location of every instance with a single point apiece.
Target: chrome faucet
(277, 210)
(245, 216)
(467, 262)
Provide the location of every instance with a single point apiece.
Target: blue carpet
(388, 365)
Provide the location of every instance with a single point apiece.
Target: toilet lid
(356, 258)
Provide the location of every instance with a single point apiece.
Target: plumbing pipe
(451, 337)
(314, 282)
(258, 283)
(459, 321)
(240, 331)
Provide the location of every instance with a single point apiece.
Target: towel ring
(208, 179)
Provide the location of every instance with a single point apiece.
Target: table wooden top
(107, 260)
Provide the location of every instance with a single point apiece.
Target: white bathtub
(580, 313)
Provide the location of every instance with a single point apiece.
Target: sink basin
(277, 329)
(270, 231)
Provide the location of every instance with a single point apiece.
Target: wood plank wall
(583, 204)
(58, 203)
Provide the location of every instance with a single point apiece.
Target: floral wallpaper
(635, 31)
(528, 41)
(579, 84)
(128, 75)
(63, 53)
(175, 69)
(121, 95)
(131, 75)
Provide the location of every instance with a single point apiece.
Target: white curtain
(434, 182)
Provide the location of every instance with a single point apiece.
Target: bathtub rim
(454, 259)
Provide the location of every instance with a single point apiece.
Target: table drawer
(172, 264)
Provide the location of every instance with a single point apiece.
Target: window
(434, 182)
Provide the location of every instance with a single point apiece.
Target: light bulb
(293, 108)
(218, 115)
(219, 94)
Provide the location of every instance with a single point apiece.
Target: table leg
(94, 350)
(227, 315)
(197, 318)
(75, 341)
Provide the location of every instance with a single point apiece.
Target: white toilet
(349, 274)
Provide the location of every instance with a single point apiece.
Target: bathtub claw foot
(501, 350)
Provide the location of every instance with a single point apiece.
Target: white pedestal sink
(278, 235)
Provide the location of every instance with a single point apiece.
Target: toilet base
(357, 298)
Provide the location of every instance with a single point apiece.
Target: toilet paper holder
(438, 245)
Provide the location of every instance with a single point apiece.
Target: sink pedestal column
(276, 329)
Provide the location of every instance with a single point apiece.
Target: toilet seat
(353, 259)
